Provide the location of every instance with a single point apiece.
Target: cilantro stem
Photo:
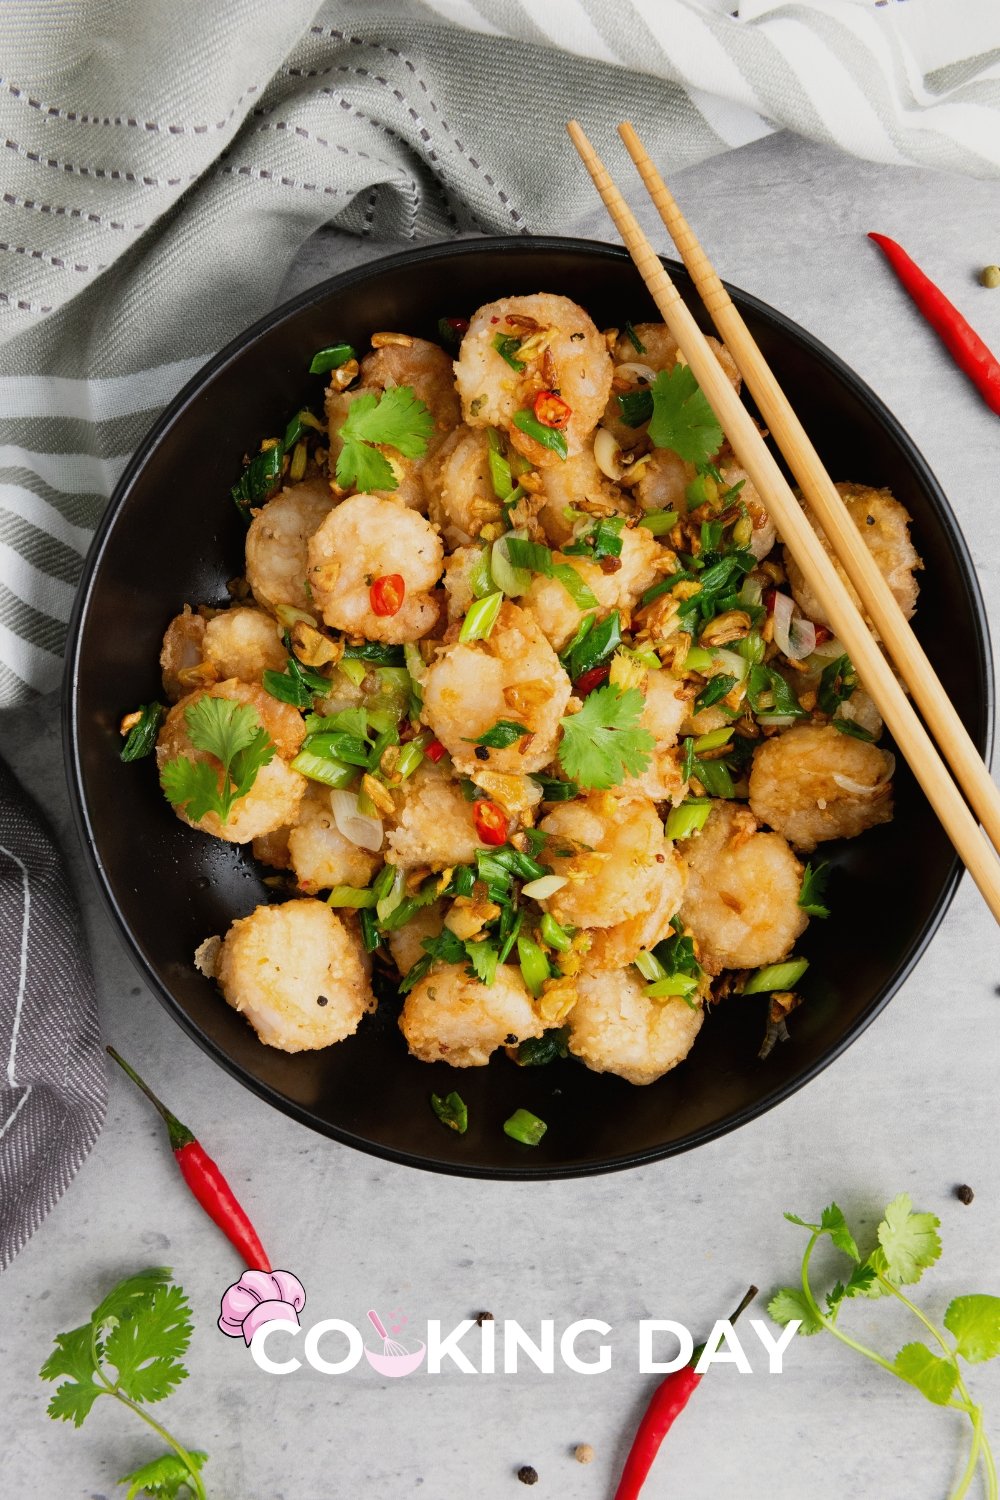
(828, 1323)
(111, 1389)
(970, 1467)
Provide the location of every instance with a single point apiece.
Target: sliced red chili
(822, 634)
(588, 681)
(435, 751)
(491, 822)
(387, 593)
(551, 410)
(769, 597)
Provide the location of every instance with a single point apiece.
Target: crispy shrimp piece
(553, 606)
(742, 894)
(448, 1017)
(613, 947)
(361, 540)
(435, 825)
(578, 484)
(514, 674)
(613, 854)
(320, 855)
(667, 706)
(560, 349)
(813, 783)
(276, 544)
(764, 534)
(298, 973)
(884, 525)
(615, 1028)
(635, 369)
(243, 643)
(405, 943)
(663, 481)
(272, 849)
(460, 498)
(458, 569)
(182, 655)
(274, 798)
(427, 370)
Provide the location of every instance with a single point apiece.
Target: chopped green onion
(752, 648)
(356, 896)
(717, 688)
(554, 790)
(525, 1127)
(297, 685)
(296, 429)
(386, 904)
(713, 740)
(715, 778)
(660, 521)
(698, 659)
(142, 736)
(535, 557)
(507, 576)
(415, 664)
(451, 1111)
(259, 479)
(297, 467)
(548, 437)
(579, 591)
(636, 407)
(512, 921)
(382, 884)
(481, 618)
(674, 986)
(855, 730)
(410, 757)
(634, 339)
(538, 1051)
(330, 358)
(503, 484)
(354, 671)
(649, 965)
(507, 347)
(534, 965)
(463, 879)
(345, 747)
(776, 977)
(501, 735)
(592, 645)
(375, 651)
(643, 655)
(554, 935)
(320, 768)
(688, 818)
(370, 935)
(480, 582)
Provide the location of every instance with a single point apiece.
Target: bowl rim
(174, 412)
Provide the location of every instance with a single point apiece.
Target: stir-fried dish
(525, 702)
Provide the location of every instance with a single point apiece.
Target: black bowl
(171, 535)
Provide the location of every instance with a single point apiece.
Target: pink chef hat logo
(261, 1297)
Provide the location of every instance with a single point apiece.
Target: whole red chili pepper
(205, 1181)
(669, 1400)
(962, 341)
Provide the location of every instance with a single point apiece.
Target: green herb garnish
(837, 683)
(397, 419)
(592, 644)
(771, 977)
(451, 1111)
(682, 419)
(855, 730)
(525, 1127)
(141, 739)
(539, 1051)
(501, 735)
(259, 480)
(634, 339)
(507, 347)
(713, 690)
(603, 743)
(813, 890)
(330, 358)
(297, 685)
(233, 734)
(549, 437)
(688, 818)
(481, 618)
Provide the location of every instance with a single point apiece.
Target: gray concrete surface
(912, 1106)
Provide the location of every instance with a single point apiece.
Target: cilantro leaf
(145, 1347)
(603, 743)
(167, 1476)
(933, 1376)
(118, 1300)
(397, 419)
(909, 1243)
(484, 958)
(975, 1323)
(682, 419)
(788, 1304)
(72, 1356)
(802, 1223)
(233, 734)
(834, 1224)
(813, 889)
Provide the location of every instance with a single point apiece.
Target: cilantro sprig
(233, 734)
(131, 1349)
(603, 743)
(396, 419)
(682, 419)
(908, 1243)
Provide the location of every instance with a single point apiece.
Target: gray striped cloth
(163, 164)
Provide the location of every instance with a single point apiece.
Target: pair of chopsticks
(978, 853)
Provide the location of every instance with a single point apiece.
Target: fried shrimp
(814, 784)
(668, 703)
(615, 1028)
(574, 488)
(363, 540)
(884, 525)
(274, 798)
(560, 351)
(427, 371)
(742, 895)
(435, 824)
(276, 544)
(318, 852)
(450, 1017)
(460, 498)
(406, 943)
(243, 643)
(554, 607)
(515, 675)
(298, 973)
(182, 663)
(613, 855)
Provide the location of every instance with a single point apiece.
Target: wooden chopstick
(753, 453)
(828, 508)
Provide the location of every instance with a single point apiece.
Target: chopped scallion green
(451, 1111)
(548, 437)
(525, 1127)
(534, 965)
(481, 618)
(355, 896)
(330, 358)
(688, 818)
(776, 977)
(660, 521)
(141, 738)
(554, 935)
(333, 773)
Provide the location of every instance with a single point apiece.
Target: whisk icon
(389, 1346)
(394, 1359)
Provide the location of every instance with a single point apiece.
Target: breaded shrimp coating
(884, 525)
(614, 947)
(514, 674)
(460, 498)
(319, 853)
(450, 1017)
(553, 606)
(613, 855)
(814, 783)
(406, 942)
(276, 544)
(742, 895)
(435, 826)
(244, 643)
(298, 973)
(668, 703)
(560, 349)
(576, 484)
(364, 539)
(615, 1028)
(274, 798)
(182, 662)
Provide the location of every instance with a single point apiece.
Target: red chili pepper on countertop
(669, 1400)
(206, 1181)
(962, 341)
